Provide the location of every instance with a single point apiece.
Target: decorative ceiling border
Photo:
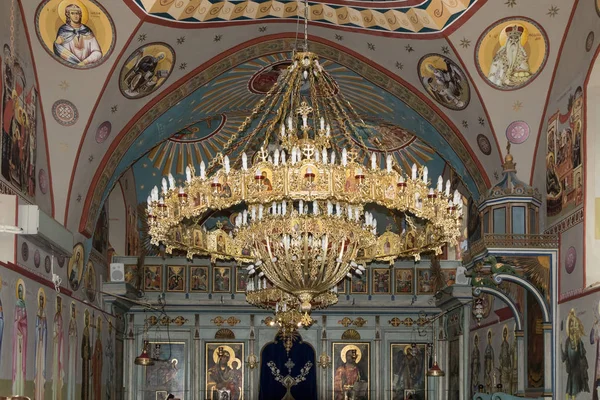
(426, 17)
(105, 177)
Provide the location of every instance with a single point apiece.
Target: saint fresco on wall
(41, 344)
(176, 278)
(574, 357)
(19, 117)
(564, 159)
(511, 53)
(146, 70)
(408, 377)
(444, 81)
(198, 279)
(224, 371)
(153, 278)
(19, 341)
(89, 282)
(351, 371)
(404, 281)
(75, 267)
(100, 238)
(168, 374)
(77, 33)
(475, 363)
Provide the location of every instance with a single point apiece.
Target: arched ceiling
(379, 51)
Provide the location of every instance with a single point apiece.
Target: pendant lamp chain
(12, 33)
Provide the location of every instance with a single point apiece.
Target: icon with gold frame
(424, 281)
(176, 278)
(351, 370)
(381, 281)
(359, 284)
(221, 280)
(224, 370)
(408, 366)
(403, 281)
(153, 278)
(198, 279)
(241, 280)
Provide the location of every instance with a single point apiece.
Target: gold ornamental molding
(358, 322)
(231, 321)
(165, 320)
(408, 321)
(427, 17)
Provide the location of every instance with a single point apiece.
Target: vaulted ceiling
(213, 60)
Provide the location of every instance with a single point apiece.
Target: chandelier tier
(302, 206)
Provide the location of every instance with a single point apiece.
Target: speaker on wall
(117, 272)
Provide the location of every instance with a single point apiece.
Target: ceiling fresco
(428, 77)
(427, 16)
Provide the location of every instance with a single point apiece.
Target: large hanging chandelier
(303, 207)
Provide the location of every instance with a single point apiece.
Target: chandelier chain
(247, 121)
(305, 25)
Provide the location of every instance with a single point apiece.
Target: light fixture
(435, 370)
(303, 207)
(144, 358)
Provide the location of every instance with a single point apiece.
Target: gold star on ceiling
(517, 105)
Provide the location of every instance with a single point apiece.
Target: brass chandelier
(302, 205)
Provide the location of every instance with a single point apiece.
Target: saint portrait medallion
(77, 33)
(511, 53)
(444, 81)
(146, 70)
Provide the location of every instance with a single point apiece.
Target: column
(251, 350)
(196, 387)
(547, 326)
(520, 338)
(130, 350)
(465, 355)
(377, 382)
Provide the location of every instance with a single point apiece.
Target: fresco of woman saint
(77, 33)
(511, 53)
(75, 267)
(97, 362)
(72, 361)
(575, 358)
(505, 361)
(57, 353)
(41, 343)
(19, 341)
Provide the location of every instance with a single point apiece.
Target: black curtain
(300, 354)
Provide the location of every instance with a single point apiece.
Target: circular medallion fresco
(589, 41)
(517, 132)
(511, 53)
(43, 181)
(570, 260)
(484, 144)
(444, 81)
(65, 112)
(77, 33)
(103, 131)
(25, 251)
(146, 70)
(36, 258)
(47, 264)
